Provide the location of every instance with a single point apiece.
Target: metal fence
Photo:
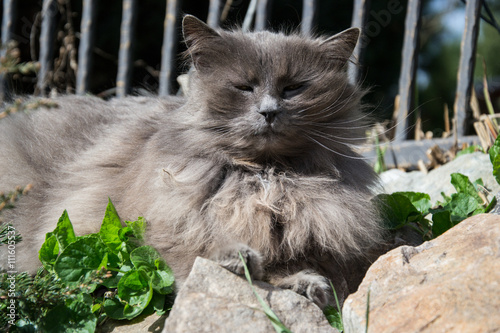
(259, 11)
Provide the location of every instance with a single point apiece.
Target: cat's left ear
(340, 46)
(200, 39)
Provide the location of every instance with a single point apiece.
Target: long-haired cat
(257, 158)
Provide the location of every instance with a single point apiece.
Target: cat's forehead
(272, 53)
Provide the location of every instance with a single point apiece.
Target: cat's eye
(292, 90)
(244, 88)
(293, 87)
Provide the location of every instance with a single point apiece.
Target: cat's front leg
(308, 284)
(228, 257)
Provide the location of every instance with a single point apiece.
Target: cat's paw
(310, 285)
(229, 258)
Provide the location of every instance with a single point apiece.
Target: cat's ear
(339, 47)
(200, 40)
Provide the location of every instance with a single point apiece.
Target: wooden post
(466, 64)
(359, 17)
(47, 39)
(169, 47)
(309, 16)
(408, 68)
(125, 67)
(263, 9)
(86, 43)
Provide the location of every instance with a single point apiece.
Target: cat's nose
(269, 108)
(270, 115)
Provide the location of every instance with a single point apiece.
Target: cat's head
(270, 94)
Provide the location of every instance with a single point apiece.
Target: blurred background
(441, 32)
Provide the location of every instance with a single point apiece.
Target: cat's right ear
(200, 39)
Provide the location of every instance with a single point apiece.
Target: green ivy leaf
(441, 222)
(150, 261)
(64, 231)
(462, 205)
(396, 209)
(80, 258)
(463, 185)
(49, 251)
(494, 153)
(138, 227)
(421, 201)
(135, 291)
(114, 308)
(110, 228)
(74, 316)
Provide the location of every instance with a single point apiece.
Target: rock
(215, 300)
(449, 284)
(475, 165)
(152, 323)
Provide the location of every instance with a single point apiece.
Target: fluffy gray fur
(257, 158)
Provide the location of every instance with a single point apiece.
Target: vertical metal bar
(85, 49)
(47, 38)
(214, 11)
(408, 67)
(9, 13)
(309, 15)
(125, 67)
(467, 63)
(169, 47)
(359, 17)
(263, 9)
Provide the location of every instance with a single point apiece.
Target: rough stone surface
(475, 165)
(449, 284)
(153, 323)
(215, 300)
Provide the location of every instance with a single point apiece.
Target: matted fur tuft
(260, 153)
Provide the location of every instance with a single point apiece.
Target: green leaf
(396, 209)
(73, 316)
(80, 258)
(494, 153)
(114, 308)
(441, 222)
(150, 261)
(421, 201)
(463, 185)
(135, 290)
(110, 228)
(64, 231)
(49, 251)
(334, 317)
(138, 227)
(279, 327)
(462, 205)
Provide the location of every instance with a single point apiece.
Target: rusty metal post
(408, 67)
(466, 64)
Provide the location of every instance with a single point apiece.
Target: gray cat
(257, 158)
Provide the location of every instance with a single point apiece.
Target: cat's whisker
(357, 157)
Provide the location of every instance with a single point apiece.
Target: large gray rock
(475, 165)
(215, 300)
(449, 284)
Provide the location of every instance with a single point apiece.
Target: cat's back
(46, 133)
